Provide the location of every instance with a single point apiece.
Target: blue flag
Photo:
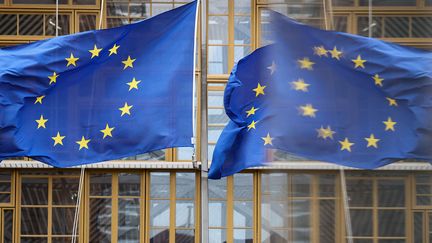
(326, 96)
(100, 95)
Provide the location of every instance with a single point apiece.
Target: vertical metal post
(348, 225)
(203, 137)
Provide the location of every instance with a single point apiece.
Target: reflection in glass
(185, 236)
(30, 24)
(327, 221)
(217, 235)
(160, 8)
(100, 220)
(159, 235)
(185, 185)
(217, 188)
(160, 185)
(396, 27)
(128, 220)
(340, 23)
(391, 222)
(63, 25)
(363, 26)
(100, 184)
(301, 184)
(243, 186)
(65, 191)
(388, 2)
(87, 22)
(242, 30)
(8, 24)
(5, 198)
(243, 214)
(34, 191)
(185, 214)
(84, 2)
(217, 116)
(275, 185)
(62, 221)
(418, 227)
(217, 213)
(7, 226)
(361, 221)
(34, 221)
(39, 2)
(218, 30)
(5, 186)
(217, 59)
(327, 185)
(184, 153)
(359, 192)
(391, 193)
(240, 52)
(421, 27)
(159, 213)
(301, 220)
(218, 7)
(129, 184)
(243, 235)
(33, 240)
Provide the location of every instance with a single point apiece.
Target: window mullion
(230, 35)
(230, 209)
(49, 230)
(172, 207)
(114, 208)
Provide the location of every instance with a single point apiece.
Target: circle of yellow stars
(71, 62)
(308, 110)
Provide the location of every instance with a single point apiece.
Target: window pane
(217, 59)
(185, 214)
(217, 235)
(65, 191)
(111, 23)
(388, 2)
(87, 22)
(275, 185)
(363, 26)
(391, 223)
(185, 236)
(117, 9)
(62, 221)
(160, 185)
(159, 236)
(129, 184)
(343, 2)
(218, 30)
(421, 27)
(84, 2)
(185, 185)
(243, 235)
(243, 186)
(327, 221)
(242, 31)
(359, 192)
(159, 212)
(63, 25)
(396, 27)
(7, 226)
(8, 24)
(34, 191)
(361, 220)
(327, 185)
(34, 221)
(391, 193)
(217, 116)
(33, 240)
(5, 198)
(5, 186)
(275, 214)
(100, 220)
(100, 184)
(242, 6)
(129, 220)
(217, 213)
(139, 10)
(418, 227)
(301, 185)
(340, 23)
(218, 7)
(240, 52)
(301, 220)
(217, 188)
(31, 24)
(63, 239)
(243, 214)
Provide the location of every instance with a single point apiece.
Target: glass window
(84, 2)
(8, 24)
(388, 2)
(5, 187)
(343, 2)
(87, 22)
(7, 225)
(39, 1)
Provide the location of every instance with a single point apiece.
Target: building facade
(155, 197)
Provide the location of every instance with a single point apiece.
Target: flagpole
(203, 135)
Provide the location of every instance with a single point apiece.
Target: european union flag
(100, 95)
(326, 96)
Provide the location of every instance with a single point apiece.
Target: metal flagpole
(203, 135)
(346, 207)
(56, 18)
(370, 18)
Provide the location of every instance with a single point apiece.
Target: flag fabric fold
(326, 96)
(100, 95)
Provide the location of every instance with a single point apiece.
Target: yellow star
(308, 110)
(39, 99)
(252, 125)
(133, 84)
(259, 90)
(125, 109)
(272, 68)
(71, 60)
(335, 53)
(372, 141)
(325, 132)
(107, 131)
(305, 63)
(346, 145)
(251, 111)
(300, 85)
(95, 51)
(41, 122)
(83, 143)
(53, 78)
(58, 139)
(378, 80)
(392, 102)
(267, 139)
(358, 62)
(320, 51)
(389, 124)
(113, 50)
(128, 63)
